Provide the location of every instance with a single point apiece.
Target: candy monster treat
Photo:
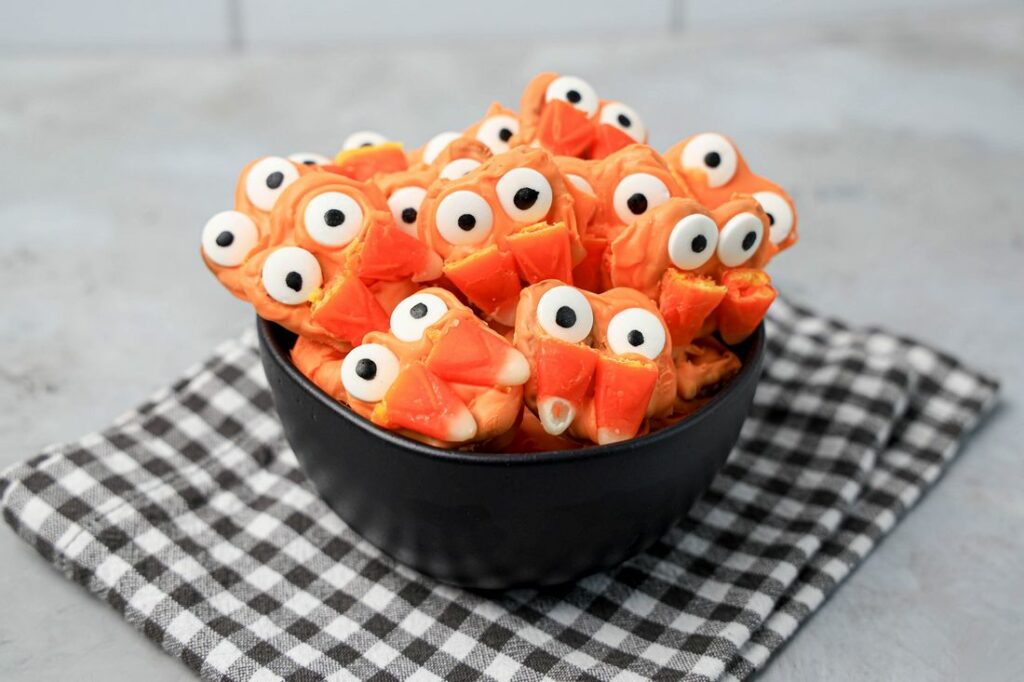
(438, 375)
(496, 129)
(558, 113)
(712, 170)
(600, 364)
(618, 126)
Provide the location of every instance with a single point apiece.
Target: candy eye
(525, 194)
(692, 242)
(739, 239)
(437, 144)
(780, 215)
(580, 182)
(464, 217)
(636, 194)
(362, 138)
(333, 218)
(566, 314)
(458, 168)
(291, 274)
(713, 154)
(368, 372)
(405, 207)
(624, 118)
(413, 315)
(308, 159)
(575, 91)
(635, 330)
(228, 237)
(496, 131)
(267, 179)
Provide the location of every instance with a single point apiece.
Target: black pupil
(333, 217)
(748, 240)
(366, 369)
(771, 218)
(505, 134)
(225, 239)
(418, 311)
(637, 203)
(699, 243)
(712, 159)
(309, 162)
(366, 144)
(467, 222)
(624, 121)
(525, 198)
(293, 280)
(565, 317)
(275, 179)
(573, 96)
(635, 337)
(409, 215)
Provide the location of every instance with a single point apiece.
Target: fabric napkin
(190, 516)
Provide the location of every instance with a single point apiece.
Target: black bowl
(495, 521)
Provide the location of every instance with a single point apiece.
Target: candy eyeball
(368, 372)
(291, 274)
(635, 330)
(780, 215)
(575, 91)
(405, 207)
(496, 131)
(362, 138)
(437, 144)
(638, 193)
(565, 313)
(267, 179)
(308, 159)
(413, 315)
(228, 237)
(333, 219)
(458, 168)
(712, 154)
(693, 241)
(525, 195)
(464, 217)
(618, 115)
(739, 239)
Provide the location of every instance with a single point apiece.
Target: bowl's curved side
(491, 521)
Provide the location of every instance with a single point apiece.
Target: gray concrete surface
(902, 142)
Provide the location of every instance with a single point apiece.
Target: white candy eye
(713, 154)
(496, 131)
(267, 179)
(692, 242)
(635, 330)
(228, 237)
(405, 207)
(333, 218)
(739, 239)
(525, 194)
(458, 168)
(368, 372)
(308, 159)
(437, 144)
(362, 138)
(291, 274)
(566, 314)
(464, 217)
(413, 315)
(636, 194)
(580, 182)
(780, 215)
(625, 119)
(575, 91)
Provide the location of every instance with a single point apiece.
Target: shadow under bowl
(497, 521)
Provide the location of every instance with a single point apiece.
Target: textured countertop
(901, 142)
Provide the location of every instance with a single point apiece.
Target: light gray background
(900, 136)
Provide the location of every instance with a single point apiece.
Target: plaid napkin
(190, 517)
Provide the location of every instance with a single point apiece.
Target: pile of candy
(542, 280)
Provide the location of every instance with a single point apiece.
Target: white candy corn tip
(609, 436)
(462, 427)
(556, 414)
(515, 371)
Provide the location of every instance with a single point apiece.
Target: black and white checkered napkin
(190, 517)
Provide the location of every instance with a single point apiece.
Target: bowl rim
(750, 371)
